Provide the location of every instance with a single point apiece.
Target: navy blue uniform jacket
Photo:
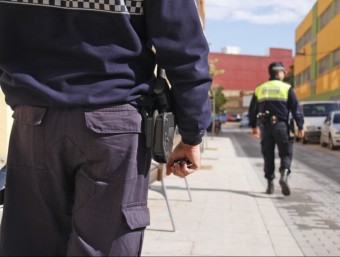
(280, 109)
(57, 53)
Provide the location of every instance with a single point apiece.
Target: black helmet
(274, 67)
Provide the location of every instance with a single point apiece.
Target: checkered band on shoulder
(133, 7)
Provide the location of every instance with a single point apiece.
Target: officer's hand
(300, 133)
(255, 132)
(183, 151)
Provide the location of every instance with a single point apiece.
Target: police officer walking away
(270, 107)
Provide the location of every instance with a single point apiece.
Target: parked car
(330, 130)
(244, 122)
(223, 118)
(234, 117)
(315, 113)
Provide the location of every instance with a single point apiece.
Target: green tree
(220, 100)
(216, 91)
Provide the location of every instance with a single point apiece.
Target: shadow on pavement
(251, 194)
(245, 145)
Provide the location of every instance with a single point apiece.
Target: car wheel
(331, 144)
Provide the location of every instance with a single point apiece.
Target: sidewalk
(229, 215)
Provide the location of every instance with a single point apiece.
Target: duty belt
(266, 119)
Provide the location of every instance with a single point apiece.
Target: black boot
(284, 182)
(270, 187)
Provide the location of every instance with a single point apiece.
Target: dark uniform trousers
(77, 183)
(271, 135)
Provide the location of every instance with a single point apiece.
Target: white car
(314, 115)
(244, 122)
(330, 130)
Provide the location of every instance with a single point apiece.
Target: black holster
(159, 122)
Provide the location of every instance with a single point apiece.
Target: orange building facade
(317, 61)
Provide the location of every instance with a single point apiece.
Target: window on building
(308, 36)
(323, 65)
(305, 39)
(337, 6)
(337, 57)
(298, 46)
(326, 17)
(303, 77)
(306, 76)
(297, 80)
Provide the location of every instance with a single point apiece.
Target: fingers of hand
(181, 170)
(256, 135)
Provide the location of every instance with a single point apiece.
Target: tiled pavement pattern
(312, 212)
(229, 215)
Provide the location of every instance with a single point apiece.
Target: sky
(254, 25)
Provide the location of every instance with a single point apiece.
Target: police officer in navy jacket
(270, 107)
(74, 72)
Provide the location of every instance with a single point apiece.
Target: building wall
(328, 82)
(304, 26)
(317, 65)
(323, 5)
(303, 60)
(245, 72)
(328, 38)
(303, 91)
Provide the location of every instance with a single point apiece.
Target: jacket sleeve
(252, 113)
(295, 108)
(175, 31)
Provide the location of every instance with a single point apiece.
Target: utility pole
(214, 112)
(201, 11)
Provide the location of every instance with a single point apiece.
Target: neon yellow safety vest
(273, 90)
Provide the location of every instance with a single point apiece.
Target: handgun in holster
(160, 127)
(263, 118)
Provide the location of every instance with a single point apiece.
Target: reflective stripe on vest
(274, 90)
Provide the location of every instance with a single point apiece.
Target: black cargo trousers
(77, 183)
(271, 135)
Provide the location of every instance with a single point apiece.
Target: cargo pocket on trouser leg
(27, 142)
(114, 148)
(129, 239)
